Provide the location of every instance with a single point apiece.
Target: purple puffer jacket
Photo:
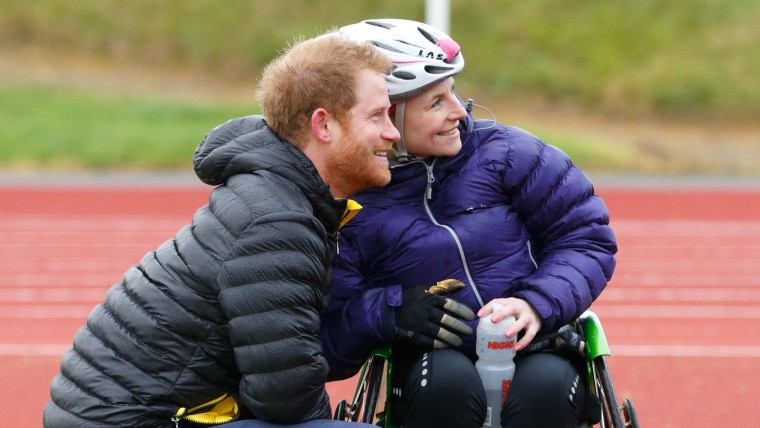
(508, 216)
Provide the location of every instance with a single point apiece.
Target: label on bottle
(495, 365)
(487, 423)
(505, 384)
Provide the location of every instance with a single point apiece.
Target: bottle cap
(486, 323)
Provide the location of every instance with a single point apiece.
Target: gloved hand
(429, 320)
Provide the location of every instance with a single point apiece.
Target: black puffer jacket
(230, 305)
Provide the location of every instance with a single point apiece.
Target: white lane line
(73, 263)
(33, 350)
(670, 311)
(685, 351)
(57, 295)
(689, 263)
(605, 311)
(674, 294)
(46, 312)
(43, 292)
(640, 351)
(58, 225)
(684, 279)
(689, 228)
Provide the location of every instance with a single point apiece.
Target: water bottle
(495, 364)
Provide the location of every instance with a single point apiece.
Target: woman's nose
(459, 111)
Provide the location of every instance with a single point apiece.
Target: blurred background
(646, 87)
(651, 93)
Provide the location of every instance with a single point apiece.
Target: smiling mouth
(449, 132)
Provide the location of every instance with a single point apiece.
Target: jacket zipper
(428, 195)
(184, 413)
(352, 207)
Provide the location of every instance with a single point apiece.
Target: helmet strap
(401, 155)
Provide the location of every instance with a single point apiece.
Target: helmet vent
(380, 24)
(405, 75)
(432, 38)
(386, 47)
(416, 46)
(432, 69)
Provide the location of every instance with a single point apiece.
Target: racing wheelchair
(371, 400)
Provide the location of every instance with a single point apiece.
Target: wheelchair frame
(373, 387)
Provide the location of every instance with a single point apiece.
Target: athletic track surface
(682, 313)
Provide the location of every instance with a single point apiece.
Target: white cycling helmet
(422, 56)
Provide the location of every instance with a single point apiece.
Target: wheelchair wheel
(340, 411)
(374, 378)
(611, 412)
(370, 403)
(350, 412)
(629, 414)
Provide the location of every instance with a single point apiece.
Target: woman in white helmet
(488, 204)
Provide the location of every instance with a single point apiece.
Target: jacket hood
(246, 145)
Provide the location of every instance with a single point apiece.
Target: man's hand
(429, 320)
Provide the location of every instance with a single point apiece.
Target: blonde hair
(319, 72)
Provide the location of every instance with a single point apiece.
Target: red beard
(353, 167)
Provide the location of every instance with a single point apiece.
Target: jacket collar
(247, 145)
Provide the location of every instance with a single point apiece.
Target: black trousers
(442, 388)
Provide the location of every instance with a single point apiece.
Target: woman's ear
(320, 124)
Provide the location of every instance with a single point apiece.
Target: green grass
(680, 58)
(691, 60)
(684, 58)
(67, 129)
(592, 155)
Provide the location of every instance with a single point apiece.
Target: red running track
(679, 313)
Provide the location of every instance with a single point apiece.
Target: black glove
(429, 320)
(566, 341)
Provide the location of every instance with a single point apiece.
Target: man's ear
(320, 124)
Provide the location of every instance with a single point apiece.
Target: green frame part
(596, 345)
(589, 323)
(386, 353)
(596, 341)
